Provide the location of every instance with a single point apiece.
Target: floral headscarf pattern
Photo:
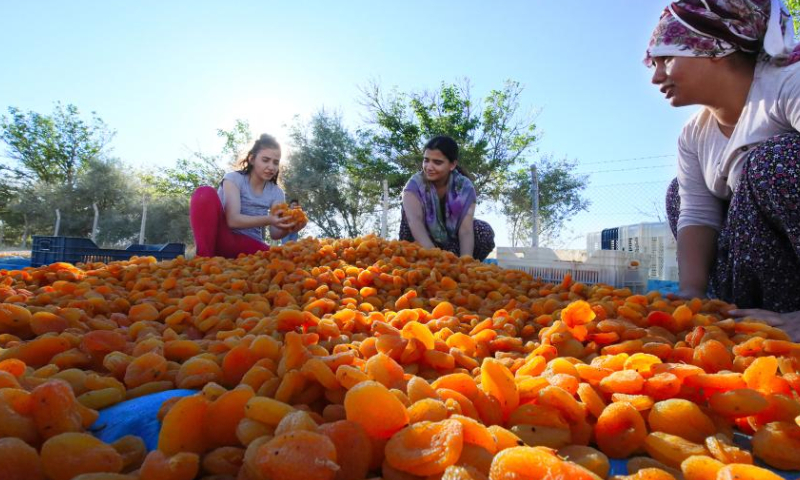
(716, 28)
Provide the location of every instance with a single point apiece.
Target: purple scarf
(459, 197)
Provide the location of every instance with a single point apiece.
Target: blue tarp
(663, 286)
(138, 416)
(14, 263)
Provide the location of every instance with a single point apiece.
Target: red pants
(212, 235)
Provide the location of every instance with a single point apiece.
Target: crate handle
(44, 245)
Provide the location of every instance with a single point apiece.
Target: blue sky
(166, 75)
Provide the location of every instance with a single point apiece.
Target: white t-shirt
(710, 164)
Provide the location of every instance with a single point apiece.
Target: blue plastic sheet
(140, 417)
(14, 263)
(663, 286)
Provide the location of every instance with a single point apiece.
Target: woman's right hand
(280, 222)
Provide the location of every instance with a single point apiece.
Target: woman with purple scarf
(439, 205)
(735, 206)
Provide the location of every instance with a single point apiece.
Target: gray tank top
(252, 204)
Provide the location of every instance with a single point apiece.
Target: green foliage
(794, 9)
(102, 182)
(186, 176)
(493, 135)
(201, 168)
(59, 161)
(51, 148)
(168, 220)
(495, 140)
(319, 173)
(559, 199)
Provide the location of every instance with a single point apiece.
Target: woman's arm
(236, 219)
(413, 210)
(697, 248)
(280, 230)
(466, 233)
(701, 217)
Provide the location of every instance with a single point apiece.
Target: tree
(202, 168)
(493, 136)
(169, 190)
(559, 199)
(794, 9)
(494, 142)
(52, 148)
(168, 220)
(105, 183)
(321, 175)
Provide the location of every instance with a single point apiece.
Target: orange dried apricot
(70, 454)
(376, 409)
(19, 461)
(620, 430)
(299, 454)
(671, 450)
(534, 463)
(682, 418)
(426, 448)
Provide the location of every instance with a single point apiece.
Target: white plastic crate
(605, 266)
(593, 242)
(655, 241)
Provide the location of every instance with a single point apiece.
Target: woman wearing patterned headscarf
(735, 206)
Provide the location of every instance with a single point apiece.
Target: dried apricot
(376, 409)
(297, 455)
(620, 430)
(426, 448)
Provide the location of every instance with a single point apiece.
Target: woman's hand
(687, 294)
(788, 322)
(283, 223)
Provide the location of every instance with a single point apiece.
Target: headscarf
(717, 28)
(459, 197)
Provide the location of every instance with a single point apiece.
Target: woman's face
(435, 166)
(265, 164)
(685, 80)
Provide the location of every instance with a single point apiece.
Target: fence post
(144, 220)
(534, 207)
(94, 224)
(385, 213)
(25, 232)
(58, 222)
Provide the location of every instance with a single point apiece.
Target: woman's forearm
(697, 248)
(246, 221)
(466, 240)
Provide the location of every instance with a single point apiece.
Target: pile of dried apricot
(365, 358)
(296, 214)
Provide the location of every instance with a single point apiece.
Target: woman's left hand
(788, 322)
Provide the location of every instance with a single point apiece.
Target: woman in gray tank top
(232, 219)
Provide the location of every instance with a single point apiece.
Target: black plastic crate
(47, 250)
(609, 239)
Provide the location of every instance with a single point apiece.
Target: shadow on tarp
(140, 417)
